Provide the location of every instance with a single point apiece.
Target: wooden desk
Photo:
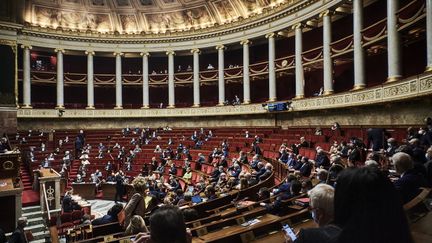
(85, 190)
(238, 229)
(6, 185)
(278, 236)
(108, 190)
(46, 173)
(10, 198)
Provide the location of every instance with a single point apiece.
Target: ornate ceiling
(143, 16)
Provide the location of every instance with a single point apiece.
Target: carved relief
(128, 23)
(178, 19)
(46, 16)
(225, 10)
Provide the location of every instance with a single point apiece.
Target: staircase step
(31, 209)
(36, 227)
(40, 236)
(35, 221)
(32, 215)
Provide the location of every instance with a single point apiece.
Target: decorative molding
(90, 53)
(249, 28)
(196, 50)
(399, 90)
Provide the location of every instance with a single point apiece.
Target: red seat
(66, 217)
(76, 216)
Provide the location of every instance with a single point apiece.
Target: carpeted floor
(30, 198)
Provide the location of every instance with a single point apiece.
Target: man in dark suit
(322, 160)
(409, 183)
(18, 236)
(119, 179)
(268, 171)
(376, 137)
(322, 209)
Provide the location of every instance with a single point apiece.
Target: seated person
(321, 160)
(136, 225)
(322, 209)
(167, 225)
(275, 207)
(111, 215)
(409, 183)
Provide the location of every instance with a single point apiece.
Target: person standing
(119, 179)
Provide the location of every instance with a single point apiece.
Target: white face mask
(314, 217)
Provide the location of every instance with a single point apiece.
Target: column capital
(245, 42)
(196, 50)
(326, 13)
(59, 50)
(297, 26)
(90, 53)
(145, 53)
(170, 52)
(117, 53)
(270, 35)
(23, 46)
(220, 47)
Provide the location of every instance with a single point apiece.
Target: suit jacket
(376, 137)
(409, 185)
(326, 234)
(265, 175)
(322, 160)
(18, 236)
(135, 206)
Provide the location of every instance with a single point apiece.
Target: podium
(10, 190)
(49, 189)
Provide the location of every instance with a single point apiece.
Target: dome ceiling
(144, 16)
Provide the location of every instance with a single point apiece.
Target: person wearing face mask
(322, 210)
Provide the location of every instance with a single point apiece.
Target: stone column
(60, 79)
(221, 67)
(393, 42)
(271, 67)
(145, 87)
(359, 69)
(171, 85)
(429, 34)
(118, 81)
(196, 78)
(246, 79)
(90, 80)
(26, 76)
(327, 59)
(299, 74)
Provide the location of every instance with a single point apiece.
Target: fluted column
(393, 42)
(271, 66)
(299, 74)
(246, 79)
(221, 79)
(26, 76)
(359, 69)
(118, 81)
(327, 59)
(171, 87)
(60, 79)
(429, 35)
(196, 77)
(90, 80)
(145, 87)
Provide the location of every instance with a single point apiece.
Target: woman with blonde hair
(136, 225)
